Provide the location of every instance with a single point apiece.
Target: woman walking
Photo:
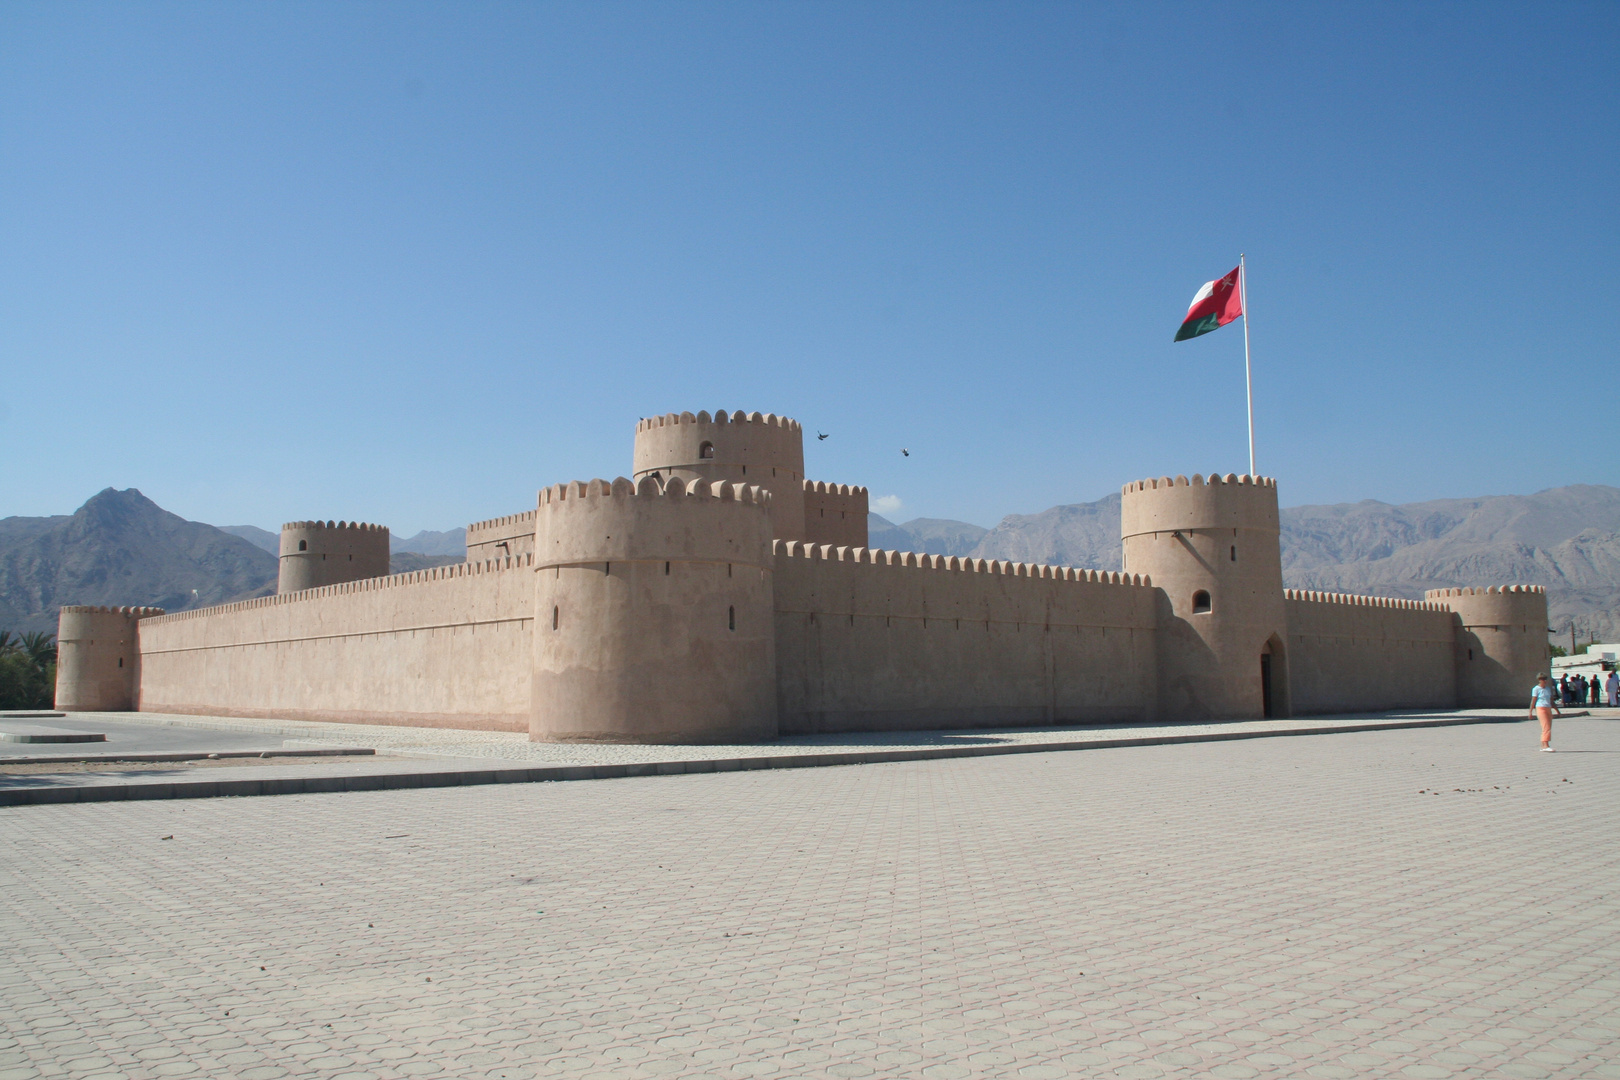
(1543, 703)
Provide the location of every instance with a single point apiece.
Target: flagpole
(1248, 377)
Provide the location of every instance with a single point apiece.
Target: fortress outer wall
(890, 641)
(699, 603)
(653, 613)
(447, 647)
(1369, 653)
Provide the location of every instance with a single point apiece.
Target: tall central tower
(733, 448)
(1212, 544)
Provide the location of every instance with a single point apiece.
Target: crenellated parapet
(511, 535)
(98, 656)
(131, 613)
(730, 447)
(954, 563)
(1506, 591)
(653, 612)
(835, 513)
(652, 519)
(317, 553)
(1394, 603)
(1203, 502)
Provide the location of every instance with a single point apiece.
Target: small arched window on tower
(706, 451)
(303, 545)
(1200, 602)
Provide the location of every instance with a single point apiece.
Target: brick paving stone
(1421, 904)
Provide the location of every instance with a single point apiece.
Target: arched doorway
(1273, 679)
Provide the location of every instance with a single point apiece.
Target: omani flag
(1217, 303)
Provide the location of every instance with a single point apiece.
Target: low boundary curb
(520, 774)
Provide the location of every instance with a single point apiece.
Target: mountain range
(122, 548)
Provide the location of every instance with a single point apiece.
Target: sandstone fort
(718, 595)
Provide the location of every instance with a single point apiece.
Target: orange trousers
(1544, 714)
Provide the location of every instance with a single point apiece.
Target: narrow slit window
(666, 569)
(1234, 553)
(1200, 602)
(731, 618)
(554, 618)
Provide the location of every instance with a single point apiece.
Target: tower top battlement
(652, 520)
(1164, 504)
(359, 525)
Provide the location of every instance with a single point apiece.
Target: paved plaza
(1412, 903)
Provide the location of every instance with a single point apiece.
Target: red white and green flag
(1217, 303)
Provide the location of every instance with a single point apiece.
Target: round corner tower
(1212, 546)
(1501, 642)
(765, 451)
(97, 657)
(653, 618)
(317, 553)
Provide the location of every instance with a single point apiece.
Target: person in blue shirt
(1543, 703)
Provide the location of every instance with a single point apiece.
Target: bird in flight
(905, 452)
(820, 436)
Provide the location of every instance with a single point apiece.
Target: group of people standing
(1571, 690)
(1577, 689)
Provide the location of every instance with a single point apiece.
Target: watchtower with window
(761, 450)
(317, 553)
(1212, 545)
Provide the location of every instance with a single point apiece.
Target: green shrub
(25, 684)
(27, 671)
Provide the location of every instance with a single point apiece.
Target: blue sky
(407, 264)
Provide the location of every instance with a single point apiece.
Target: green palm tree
(7, 642)
(40, 647)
